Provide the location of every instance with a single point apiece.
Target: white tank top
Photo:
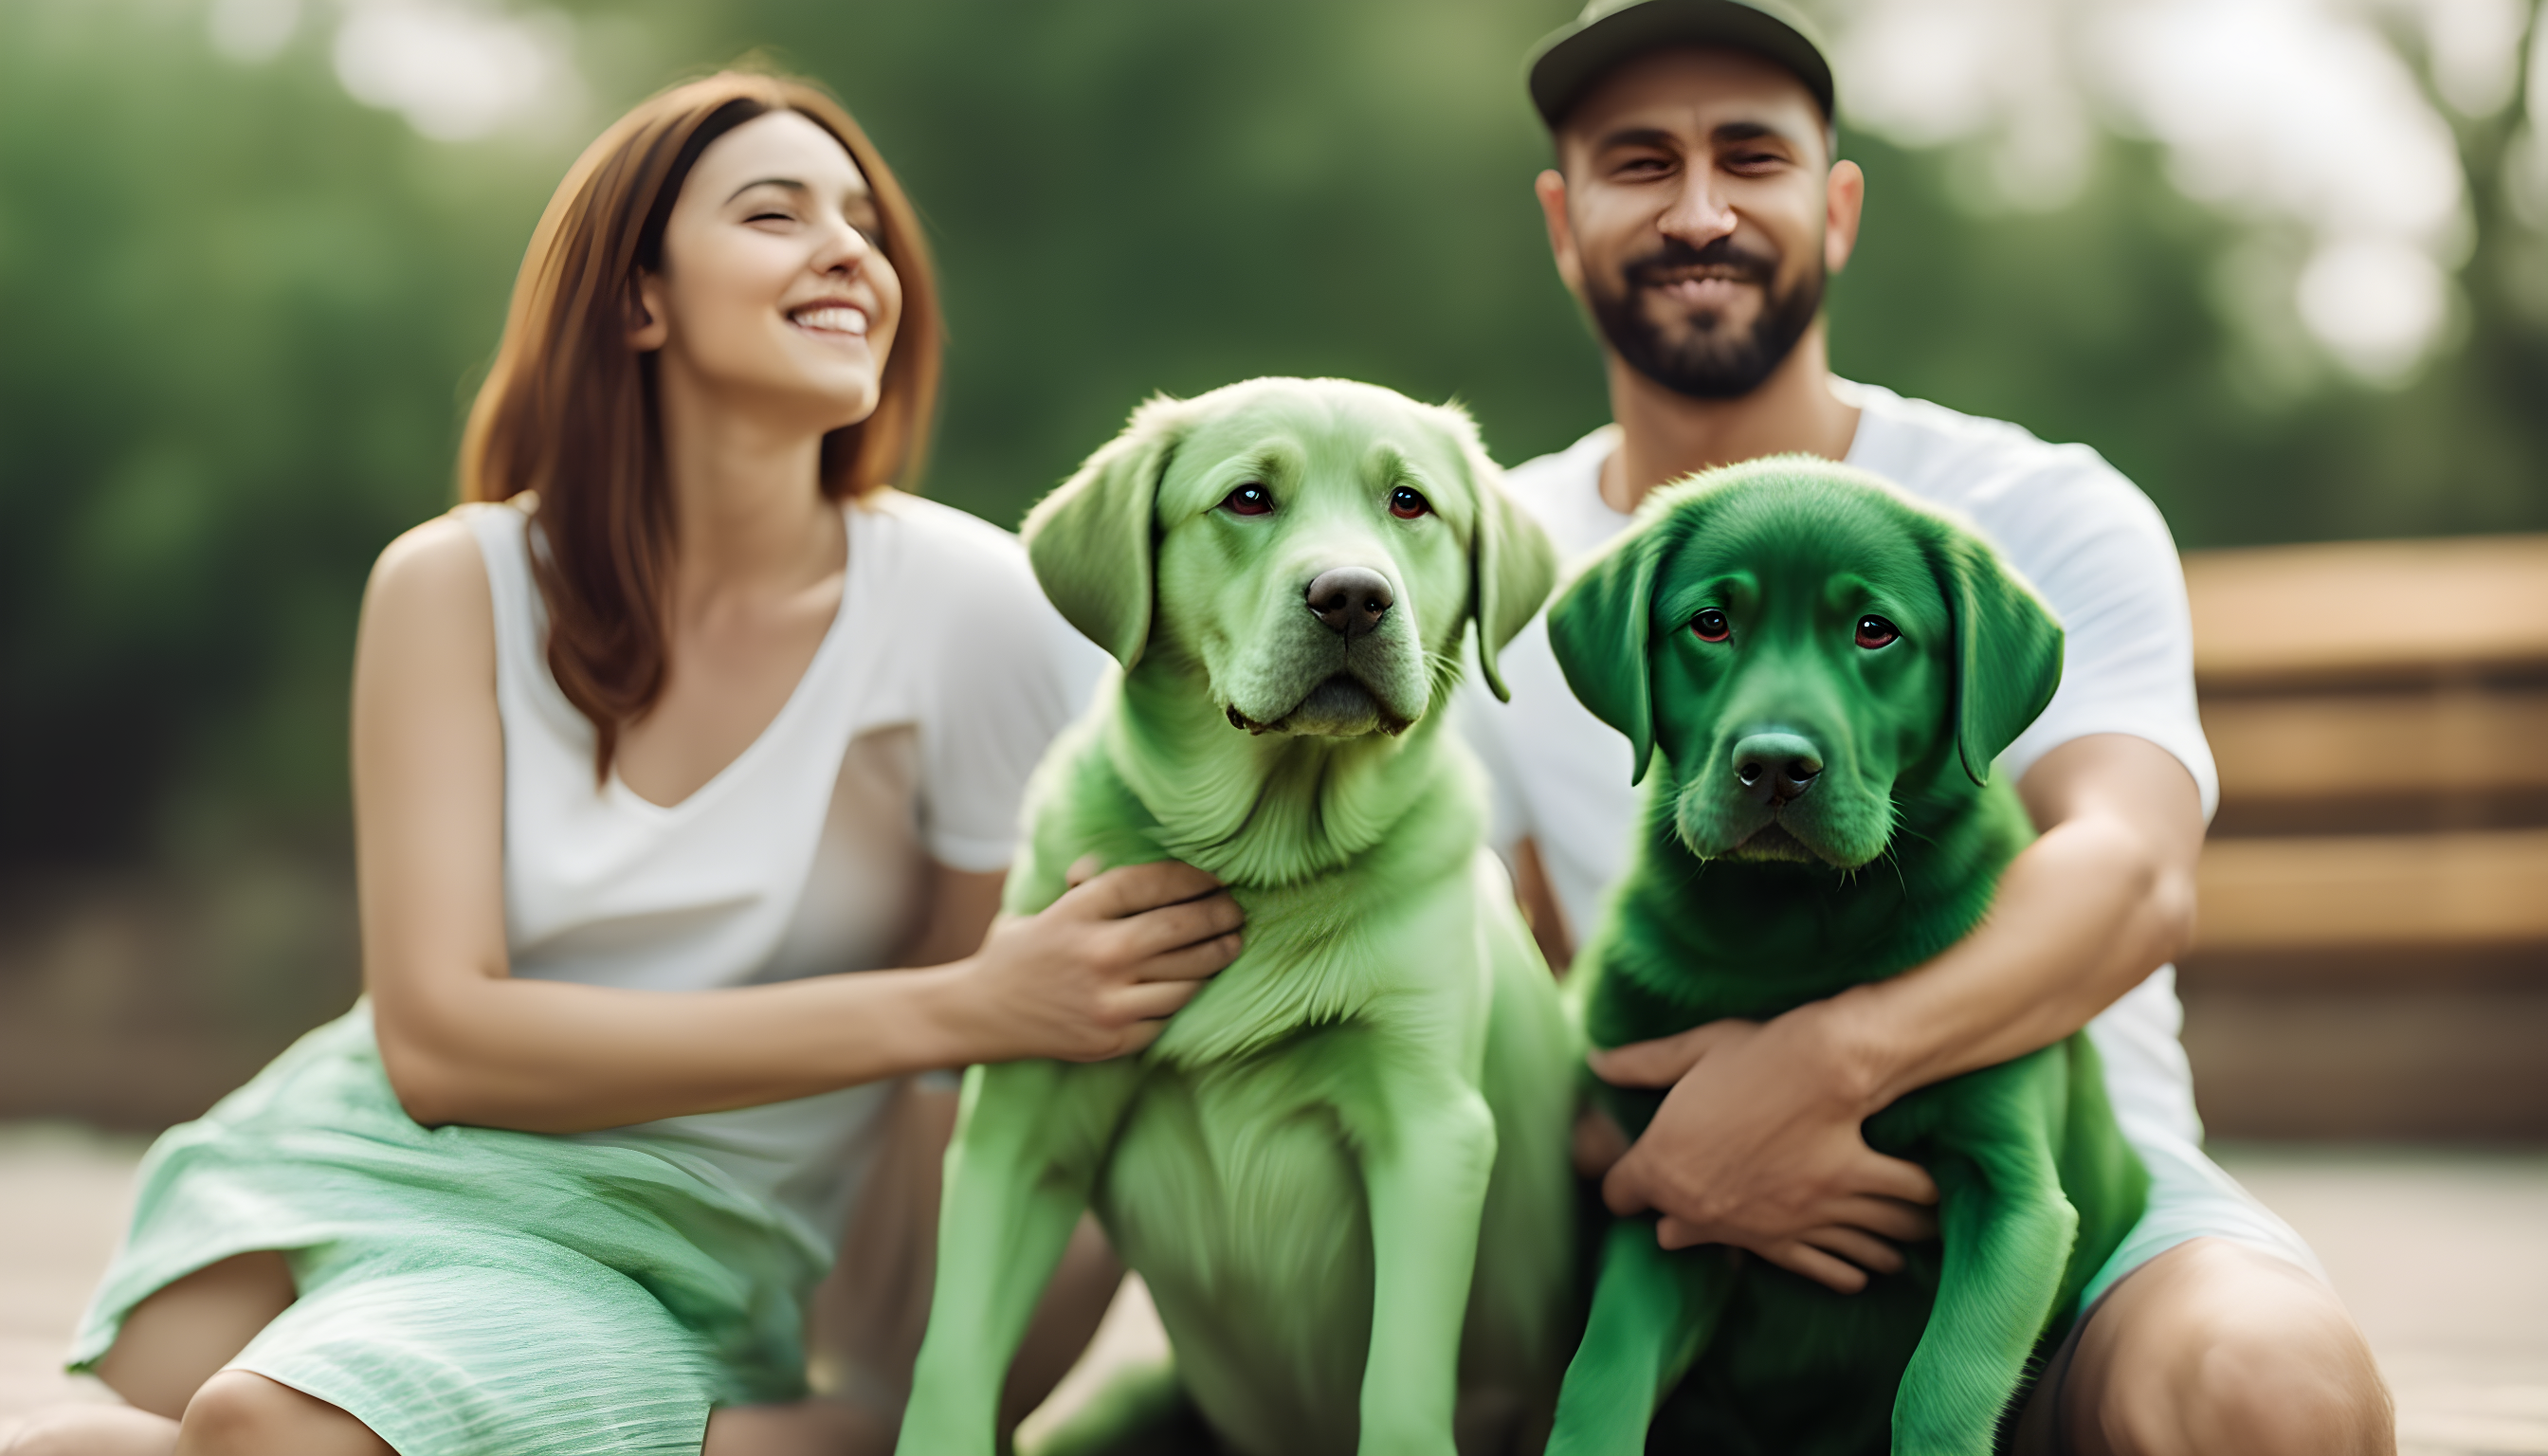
(909, 738)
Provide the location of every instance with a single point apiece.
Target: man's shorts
(2190, 1197)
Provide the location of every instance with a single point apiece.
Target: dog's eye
(1874, 632)
(1406, 503)
(1711, 626)
(1250, 500)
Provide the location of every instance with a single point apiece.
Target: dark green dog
(1818, 671)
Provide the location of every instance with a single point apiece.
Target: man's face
(1697, 212)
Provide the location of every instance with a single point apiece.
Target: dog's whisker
(1443, 672)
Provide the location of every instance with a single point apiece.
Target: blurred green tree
(235, 310)
(241, 311)
(1142, 196)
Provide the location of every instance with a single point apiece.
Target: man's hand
(1757, 1145)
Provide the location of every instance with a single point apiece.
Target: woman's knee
(173, 1342)
(2226, 1349)
(242, 1413)
(89, 1431)
(812, 1428)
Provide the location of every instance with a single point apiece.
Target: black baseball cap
(1611, 32)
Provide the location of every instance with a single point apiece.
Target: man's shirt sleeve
(2100, 554)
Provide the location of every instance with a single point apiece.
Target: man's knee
(2291, 1378)
(2226, 1349)
(240, 1413)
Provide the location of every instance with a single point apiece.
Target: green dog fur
(1891, 857)
(1343, 1169)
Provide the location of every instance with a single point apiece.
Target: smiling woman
(807, 188)
(688, 756)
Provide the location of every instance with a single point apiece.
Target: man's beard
(1704, 365)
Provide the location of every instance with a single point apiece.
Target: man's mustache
(1721, 252)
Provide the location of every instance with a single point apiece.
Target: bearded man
(1696, 209)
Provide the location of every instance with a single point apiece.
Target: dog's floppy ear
(2007, 651)
(1093, 540)
(1511, 565)
(1600, 629)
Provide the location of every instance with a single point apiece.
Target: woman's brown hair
(569, 410)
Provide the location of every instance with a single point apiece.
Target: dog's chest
(1345, 948)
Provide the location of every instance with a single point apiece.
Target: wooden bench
(2372, 959)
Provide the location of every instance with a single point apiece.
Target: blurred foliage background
(254, 253)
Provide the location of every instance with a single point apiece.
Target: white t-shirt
(2093, 545)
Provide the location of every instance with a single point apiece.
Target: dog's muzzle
(1344, 669)
(1771, 770)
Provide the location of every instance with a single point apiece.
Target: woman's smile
(830, 320)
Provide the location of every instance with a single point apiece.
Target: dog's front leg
(1428, 1144)
(1027, 1140)
(1653, 1312)
(2007, 1231)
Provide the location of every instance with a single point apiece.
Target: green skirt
(465, 1290)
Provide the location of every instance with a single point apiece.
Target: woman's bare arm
(464, 1042)
(963, 903)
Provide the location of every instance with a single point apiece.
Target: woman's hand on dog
(1756, 1146)
(1096, 973)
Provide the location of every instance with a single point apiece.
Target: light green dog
(1342, 1170)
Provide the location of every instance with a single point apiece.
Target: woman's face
(773, 293)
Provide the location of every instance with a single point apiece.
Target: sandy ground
(2442, 1256)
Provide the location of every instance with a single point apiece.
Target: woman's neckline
(824, 650)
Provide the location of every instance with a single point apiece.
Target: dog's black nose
(1775, 768)
(1351, 600)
